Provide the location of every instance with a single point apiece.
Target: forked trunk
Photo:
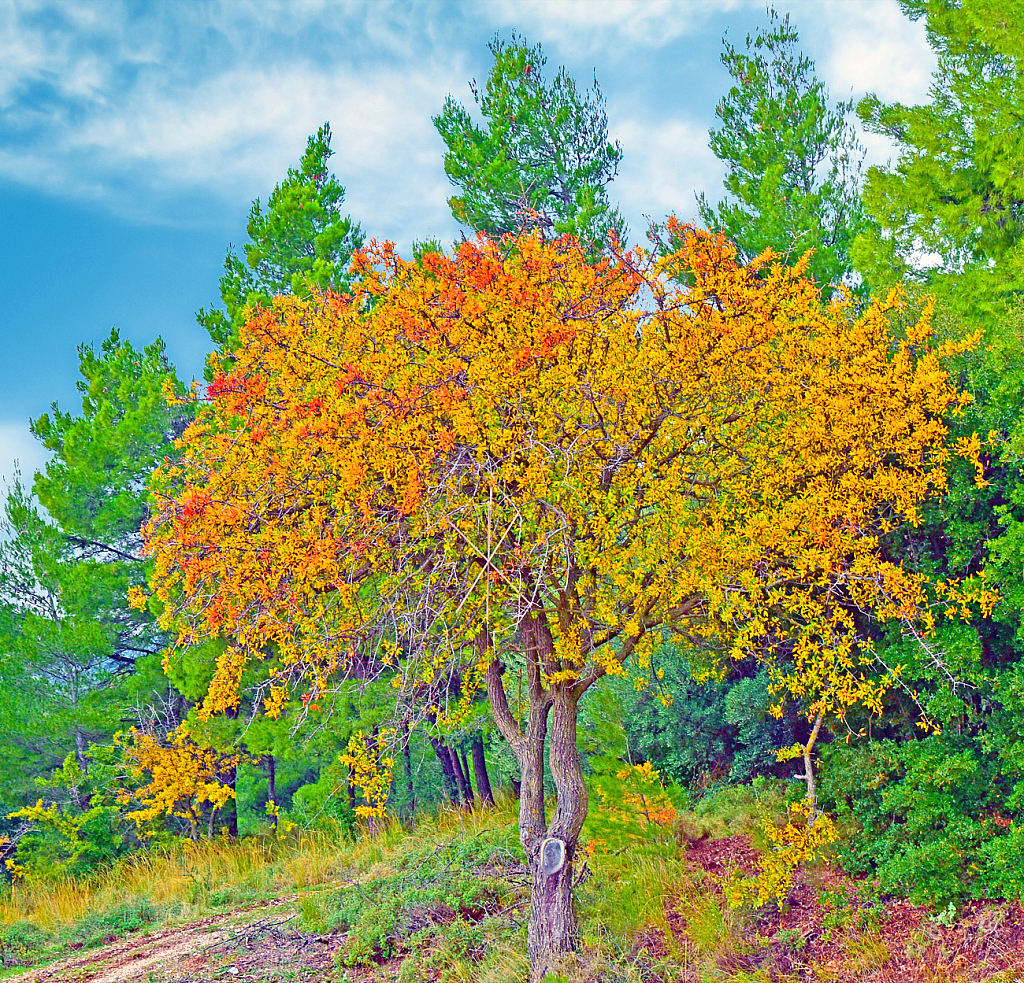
(553, 930)
(550, 848)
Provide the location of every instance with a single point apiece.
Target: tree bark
(81, 748)
(483, 781)
(271, 784)
(451, 787)
(465, 772)
(553, 930)
(465, 792)
(271, 778)
(410, 788)
(231, 806)
(808, 775)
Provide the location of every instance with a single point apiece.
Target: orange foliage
(514, 442)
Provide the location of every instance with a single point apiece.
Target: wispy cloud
(668, 162)
(131, 111)
(599, 23)
(18, 449)
(167, 113)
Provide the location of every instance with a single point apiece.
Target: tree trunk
(465, 771)
(550, 850)
(808, 775)
(410, 788)
(80, 801)
(553, 929)
(231, 806)
(465, 792)
(271, 784)
(451, 786)
(80, 751)
(483, 781)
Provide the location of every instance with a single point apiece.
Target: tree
(794, 162)
(530, 463)
(68, 638)
(956, 191)
(301, 243)
(94, 486)
(59, 659)
(543, 159)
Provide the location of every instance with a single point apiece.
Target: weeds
(448, 902)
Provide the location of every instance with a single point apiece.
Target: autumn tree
(793, 182)
(514, 460)
(543, 157)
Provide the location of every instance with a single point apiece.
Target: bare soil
(830, 932)
(260, 943)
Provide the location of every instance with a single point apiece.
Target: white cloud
(162, 112)
(668, 162)
(877, 48)
(570, 22)
(98, 107)
(235, 134)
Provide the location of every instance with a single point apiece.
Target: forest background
(927, 780)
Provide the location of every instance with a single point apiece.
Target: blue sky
(134, 136)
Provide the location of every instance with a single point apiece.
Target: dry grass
(190, 879)
(183, 881)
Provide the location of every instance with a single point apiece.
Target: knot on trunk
(552, 856)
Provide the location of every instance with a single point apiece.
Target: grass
(448, 902)
(449, 899)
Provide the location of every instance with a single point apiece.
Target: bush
(925, 817)
(128, 916)
(21, 944)
(426, 894)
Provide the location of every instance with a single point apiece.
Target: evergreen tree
(794, 162)
(543, 158)
(300, 243)
(953, 203)
(73, 655)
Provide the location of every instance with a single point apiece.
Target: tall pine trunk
(483, 781)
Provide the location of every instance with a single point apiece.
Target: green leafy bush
(926, 817)
(425, 895)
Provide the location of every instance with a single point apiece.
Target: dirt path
(257, 943)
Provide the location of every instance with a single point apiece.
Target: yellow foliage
(185, 777)
(371, 771)
(282, 827)
(516, 443)
(800, 838)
